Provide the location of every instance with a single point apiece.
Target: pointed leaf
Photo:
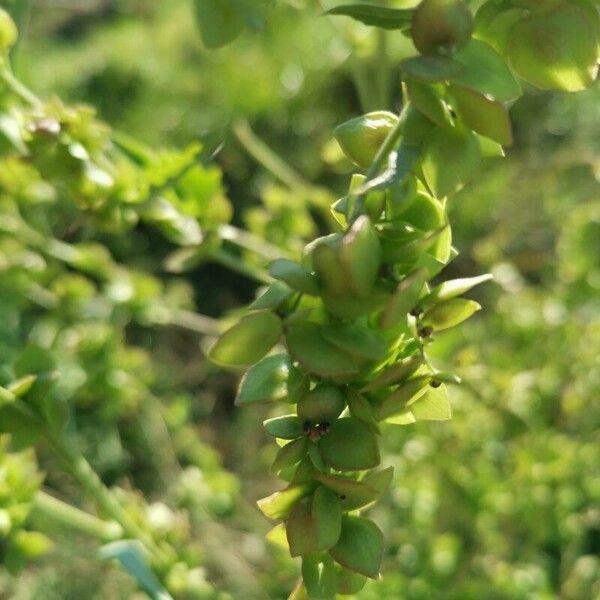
(395, 373)
(486, 72)
(360, 547)
(449, 313)
(350, 446)
(427, 100)
(359, 341)
(453, 288)
(248, 340)
(279, 504)
(288, 427)
(434, 405)
(319, 576)
(377, 16)
(404, 299)
(290, 454)
(307, 345)
(398, 400)
(327, 515)
(451, 157)
(431, 68)
(361, 255)
(266, 381)
(294, 275)
(482, 114)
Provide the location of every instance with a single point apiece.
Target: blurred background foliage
(501, 503)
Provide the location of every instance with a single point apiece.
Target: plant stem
(246, 240)
(188, 319)
(19, 88)
(235, 264)
(53, 509)
(92, 484)
(267, 158)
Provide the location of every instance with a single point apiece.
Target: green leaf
(290, 454)
(307, 346)
(377, 16)
(359, 341)
(431, 68)
(273, 297)
(360, 547)
(288, 427)
(300, 529)
(352, 494)
(350, 446)
(248, 341)
(328, 266)
(322, 404)
(266, 381)
(451, 158)
(434, 405)
(482, 114)
(361, 255)
(294, 275)
(453, 288)
(132, 556)
(486, 72)
(348, 582)
(327, 515)
(397, 401)
(403, 300)
(279, 504)
(360, 138)
(449, 313)
(395, 373)
(220, 21)
(362, 409)
(427, 100)
(555, 49)
(319, 576)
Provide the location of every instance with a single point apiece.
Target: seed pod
(8, 31)
(324, 403)
(441, 26)
(362, 137)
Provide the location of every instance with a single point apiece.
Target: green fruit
(441, 26)
(361, 138)
(8, 31)
(324, 403)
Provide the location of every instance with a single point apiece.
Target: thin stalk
(48, 507)
(235, 264)
(246, 240)
(19, 88)
(92, 484)
(267, 158)
(382, 72)
(188, 319)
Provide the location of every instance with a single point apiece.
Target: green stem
(382, 71)
(267, 158)
(235, 264)
(92, 484)
(188, 319)
(246, 240)
(47, 507)
(19, 88)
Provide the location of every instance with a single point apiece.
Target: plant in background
(357, 312)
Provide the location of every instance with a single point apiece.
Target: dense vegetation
(112, 250)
